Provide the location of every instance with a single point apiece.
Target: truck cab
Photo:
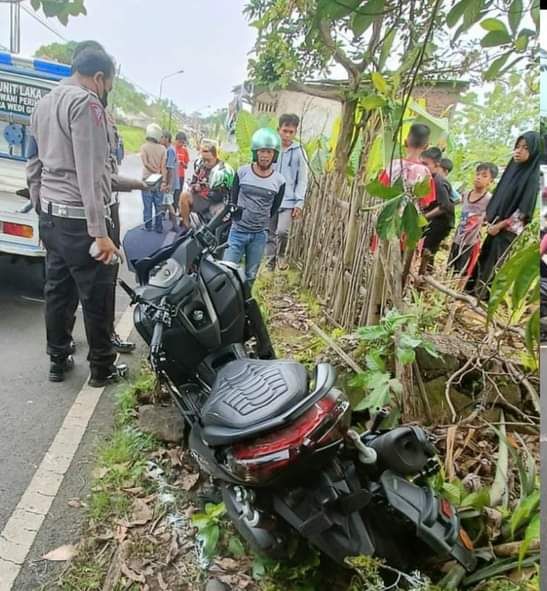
(23, 82)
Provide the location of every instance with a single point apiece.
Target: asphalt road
(31, 408)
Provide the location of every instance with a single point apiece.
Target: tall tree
(484, 128)
(384, 47)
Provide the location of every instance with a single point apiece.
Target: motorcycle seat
(251, 396)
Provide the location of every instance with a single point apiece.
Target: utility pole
(15, 25)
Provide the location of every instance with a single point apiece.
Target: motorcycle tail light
(324, 423)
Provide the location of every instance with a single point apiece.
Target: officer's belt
(72, 212)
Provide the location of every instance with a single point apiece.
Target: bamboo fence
(332, 248)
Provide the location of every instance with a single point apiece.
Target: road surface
(32, 409)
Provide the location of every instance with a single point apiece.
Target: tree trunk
(345, 138)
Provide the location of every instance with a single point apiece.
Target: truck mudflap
(437, 523)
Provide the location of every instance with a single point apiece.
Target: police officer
(69, 178)
(119, 184)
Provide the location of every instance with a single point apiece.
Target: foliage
(400, 216)
(208, 526)
(57, 52)
(133, 138)
(60, 9)
(300, 574)
(125, 98)
(519, 522)
(369, 578)
(382, 45)
(502, 26)
(484, 129)
(397, 336)
(516, 285)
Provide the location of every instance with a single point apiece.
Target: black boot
(59, 366)
(121, 346)
(101, 377)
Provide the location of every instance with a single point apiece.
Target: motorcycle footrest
(354, 502)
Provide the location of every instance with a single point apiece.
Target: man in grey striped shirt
(258, 192)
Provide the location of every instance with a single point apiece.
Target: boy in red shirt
(183, 158)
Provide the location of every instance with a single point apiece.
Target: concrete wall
(317, 115)
(438, 99)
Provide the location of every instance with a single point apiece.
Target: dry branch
(471, 301)
(513, 548)
(338, 350)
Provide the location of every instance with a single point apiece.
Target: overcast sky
(209, 39)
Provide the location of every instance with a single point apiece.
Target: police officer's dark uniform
(119, 345)
(69, 180)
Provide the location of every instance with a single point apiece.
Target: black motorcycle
(278, 444)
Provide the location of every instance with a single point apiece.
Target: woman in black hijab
(510, 209)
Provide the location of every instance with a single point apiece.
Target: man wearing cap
(69, 180)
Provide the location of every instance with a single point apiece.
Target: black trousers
(437, 230)
(72, 275)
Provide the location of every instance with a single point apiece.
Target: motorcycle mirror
(128, 290)
(23, 193)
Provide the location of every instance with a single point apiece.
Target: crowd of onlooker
(269, 191)
(276, 184)
(502, 209)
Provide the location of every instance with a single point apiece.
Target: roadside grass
(280, 293)
(120, 465)
(133, 138)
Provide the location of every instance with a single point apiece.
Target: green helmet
(221, 177)
(265, 139)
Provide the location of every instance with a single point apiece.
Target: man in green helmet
(258, 192)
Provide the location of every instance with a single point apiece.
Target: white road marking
(33, 300)
(23, 526)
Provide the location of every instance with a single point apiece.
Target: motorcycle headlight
(166, 273)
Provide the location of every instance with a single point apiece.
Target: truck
(23, 82)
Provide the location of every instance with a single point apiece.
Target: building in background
(318, 110)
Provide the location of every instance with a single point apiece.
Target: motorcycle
(279, 445)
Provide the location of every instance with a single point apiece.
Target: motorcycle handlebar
(219, 218)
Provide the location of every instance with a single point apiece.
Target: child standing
(466, 247)
(258, 192)
(447, 166)
(439, 213)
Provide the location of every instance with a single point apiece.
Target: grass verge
(133, 138)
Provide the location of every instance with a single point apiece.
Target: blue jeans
(152, 199)
(250, 245)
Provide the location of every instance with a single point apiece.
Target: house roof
(327, 86)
